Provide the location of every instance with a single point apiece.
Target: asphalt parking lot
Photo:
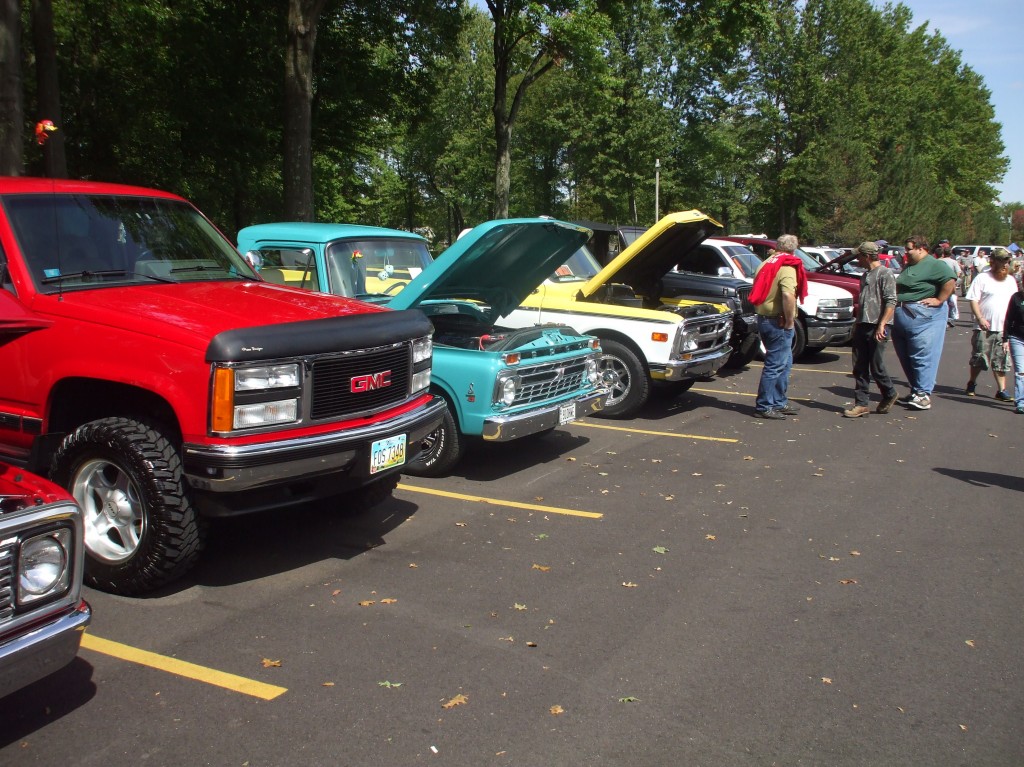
(690, 587)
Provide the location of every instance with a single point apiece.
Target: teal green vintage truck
(499, 383)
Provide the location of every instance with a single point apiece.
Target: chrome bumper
(829, 334)
(680, 370)
(237, 468)
(505, 428)
(41, 651)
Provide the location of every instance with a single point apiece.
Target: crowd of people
(914, 309)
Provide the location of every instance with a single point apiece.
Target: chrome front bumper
(506, 428)
(237, 468)
(681, 370)
(829, 334)
(29, 657)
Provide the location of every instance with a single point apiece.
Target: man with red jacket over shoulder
(779, 284)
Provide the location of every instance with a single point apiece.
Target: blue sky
(988, 34)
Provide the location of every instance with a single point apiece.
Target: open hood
(655, 252)
(498, 263)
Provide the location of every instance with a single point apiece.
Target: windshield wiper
(85, 273)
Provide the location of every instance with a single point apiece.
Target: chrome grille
(6, 582)
(550, 381)
(332, 395)
(747, 307)
(713, 334)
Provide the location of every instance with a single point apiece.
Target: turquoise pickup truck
(500, 383)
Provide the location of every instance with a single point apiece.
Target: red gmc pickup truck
(152, 373)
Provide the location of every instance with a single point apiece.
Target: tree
(530, 38)
(47, 86)
(11, 109)
(300, 43)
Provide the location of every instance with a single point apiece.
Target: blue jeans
(918, 332)
(778, 359)
(1017, 354)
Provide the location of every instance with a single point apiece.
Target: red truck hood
(191, 313)
(20, 489)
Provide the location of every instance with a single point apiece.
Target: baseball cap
(868, 248)
(1000, 253)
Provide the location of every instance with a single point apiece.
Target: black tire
(740, 358)
(366, 497)
(626, 377)
(799, 341)
(141, 530)
(441, 450)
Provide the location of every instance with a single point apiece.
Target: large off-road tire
(740, 358)
(141, 530)
(441, 450)
(626, 377)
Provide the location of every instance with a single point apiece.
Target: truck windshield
(77, 241)
(580, 267)
(374, 266)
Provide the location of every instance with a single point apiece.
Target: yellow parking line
(811, 370)
(182, 668)
(496, 502)
(656, 433)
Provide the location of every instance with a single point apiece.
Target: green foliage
(835, 119)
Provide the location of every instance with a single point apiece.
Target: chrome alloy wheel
(114, 517)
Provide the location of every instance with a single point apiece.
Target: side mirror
(724, 271)
(255, 259)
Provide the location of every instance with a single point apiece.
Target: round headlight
(43, 563)
(508, 391)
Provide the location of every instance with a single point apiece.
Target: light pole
(657, 187)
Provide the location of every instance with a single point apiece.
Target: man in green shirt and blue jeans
(919, 324)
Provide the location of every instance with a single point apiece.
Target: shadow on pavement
(42, 703)
(985, 478)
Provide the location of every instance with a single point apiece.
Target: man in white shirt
(989, 295)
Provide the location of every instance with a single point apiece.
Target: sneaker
(788, 409)
(1019, 410)
(920, 402)
(906, 400)
(771, 415)
(1004, 396)
(857, 411)
(886, 404)
(971, 389)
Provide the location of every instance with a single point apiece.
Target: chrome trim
(234, 468)
(43, 650)
(508, 427)
(679, 370)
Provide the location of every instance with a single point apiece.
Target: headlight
(422, 348)
(265, 413)
(829, 302)
(593, 373)
(688, 341)
(44, 566)
(506, 390)
(420, 380)
(267, 377)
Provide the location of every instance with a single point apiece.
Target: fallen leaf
(538, 498)
(833, 559)
(629, 699)
(367, 602)
(964, 726)
(748, 458)
(335, 592)
(541, 536)
(556, 710)
(518, 606)
(327, 684)
(267, 663)
(570, 459)
(389, 684)
(826, 680)
(460, 524)
(542, 568)
(629, 585)
(655, 460)
(670, 497)
(458, 700)
(848, 581)
(659, 550)
(602, 473)
(388, 601)
(969, 642)
(506, 639)
(604, 492)
(531, 644)
(854, 553)
(413, 565)
(710, 537)
(696, 474)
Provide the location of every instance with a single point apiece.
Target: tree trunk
(298, 111)
(11, 109)
(48, 87)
